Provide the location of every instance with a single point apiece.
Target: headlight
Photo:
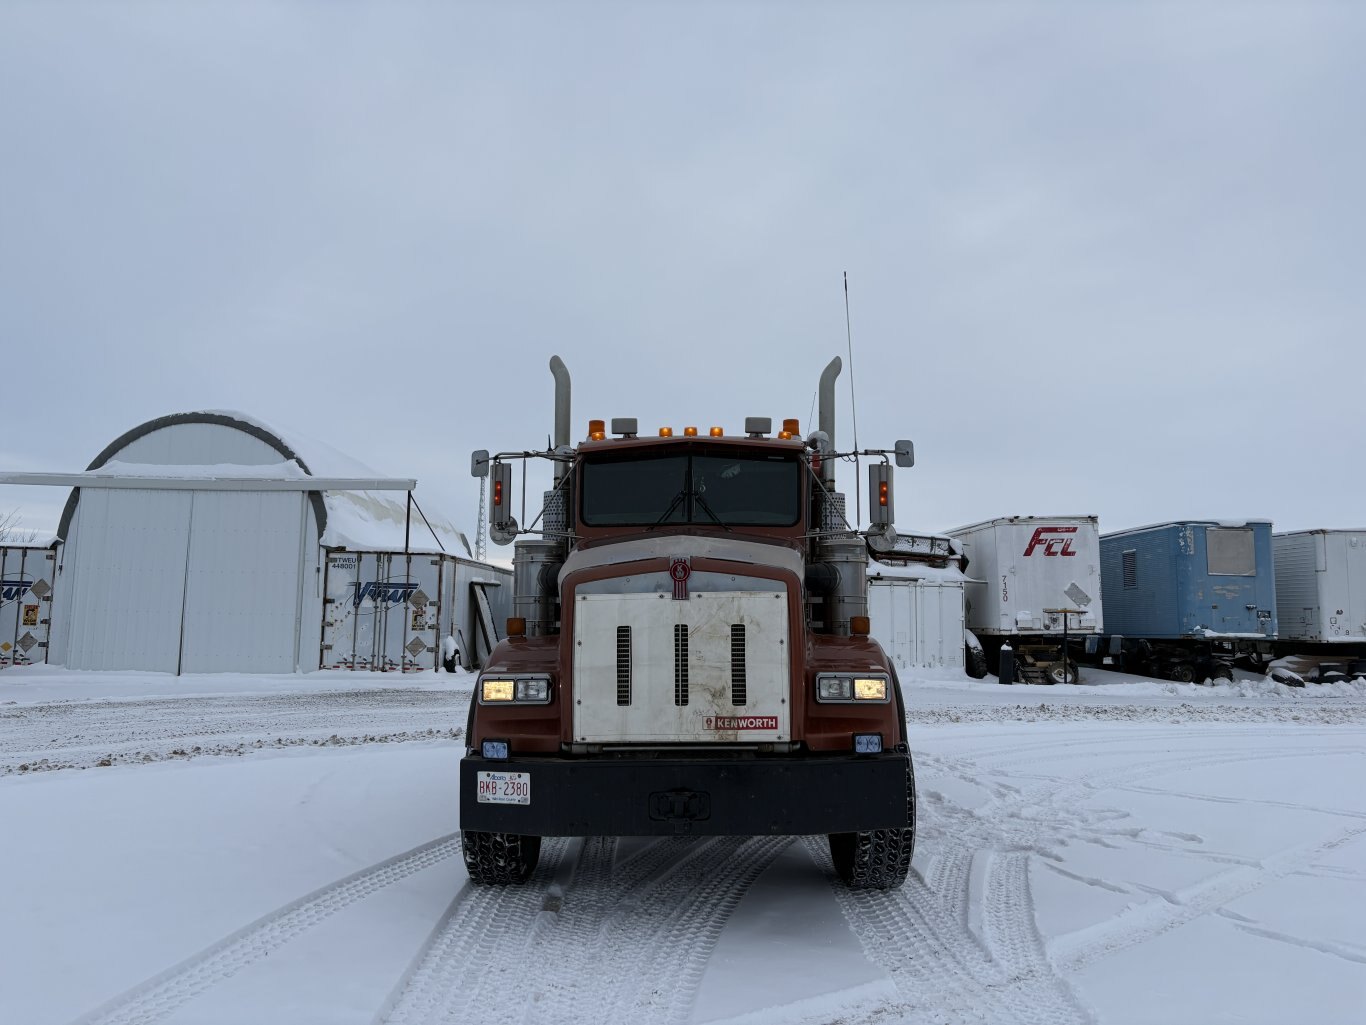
(849, 688)
(870, 689)
(516, 690)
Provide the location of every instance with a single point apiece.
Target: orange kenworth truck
(689, 651)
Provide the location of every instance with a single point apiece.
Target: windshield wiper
(670, 511)
(707, 509)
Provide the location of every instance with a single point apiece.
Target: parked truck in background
(1033, 583)
(689, 652)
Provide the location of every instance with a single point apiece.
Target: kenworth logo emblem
(679, 571)
(11, 589)
(742, 722)
(382, 591)
(1048, 538)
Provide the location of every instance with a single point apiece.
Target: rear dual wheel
(877, 859)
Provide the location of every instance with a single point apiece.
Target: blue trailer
(1183, 599)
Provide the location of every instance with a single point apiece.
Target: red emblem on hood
(679, 571)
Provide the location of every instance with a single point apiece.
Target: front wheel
(877, 859)
(499, 858)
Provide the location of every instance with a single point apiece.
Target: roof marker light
(791, 427)
(666, 432)
(716, 432)
(597, 430)
(689, 432)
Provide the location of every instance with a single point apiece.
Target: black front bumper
(643, 796)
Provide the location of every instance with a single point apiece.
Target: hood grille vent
(737, 664)
(680, 664)
(623, 665)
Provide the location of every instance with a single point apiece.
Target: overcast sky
(1103, 258)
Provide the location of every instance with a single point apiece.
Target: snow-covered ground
(237, 849)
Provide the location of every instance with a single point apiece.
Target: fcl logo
(1053, 541)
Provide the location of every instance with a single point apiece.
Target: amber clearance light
(716, 432)
(666, 432)
(597, 430)
(689, 432)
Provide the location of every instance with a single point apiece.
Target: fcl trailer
(1035, 584)
(1321, 601)
(1183, 599)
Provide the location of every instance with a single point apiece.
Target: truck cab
(690, 657)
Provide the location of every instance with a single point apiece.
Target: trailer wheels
(877, 859)
(976, 662)
(1182, 672)
(500, 858)
(1061, 672)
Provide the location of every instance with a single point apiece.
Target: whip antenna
(853, 405)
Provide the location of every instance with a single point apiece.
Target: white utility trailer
(917, 615)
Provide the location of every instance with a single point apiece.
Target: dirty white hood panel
(711, 668)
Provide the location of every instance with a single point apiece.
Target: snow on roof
(1188, 523)
(357, 520)
(915, 571)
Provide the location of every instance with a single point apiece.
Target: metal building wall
(243, 605)
(186, 581)
(124, 572)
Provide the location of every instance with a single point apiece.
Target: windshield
(726, 490)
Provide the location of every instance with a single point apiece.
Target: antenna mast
(853, 407)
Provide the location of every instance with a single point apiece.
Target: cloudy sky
(1104, 258)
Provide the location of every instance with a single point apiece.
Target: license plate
(504, 787)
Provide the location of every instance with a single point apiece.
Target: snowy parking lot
(234, 849)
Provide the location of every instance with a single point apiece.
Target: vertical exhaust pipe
(827, 413)
(561, 373)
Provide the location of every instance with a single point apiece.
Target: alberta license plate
(504, 787)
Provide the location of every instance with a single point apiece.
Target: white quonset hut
(204, 542)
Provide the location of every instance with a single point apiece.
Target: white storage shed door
(185, 581)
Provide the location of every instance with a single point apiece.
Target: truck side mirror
(905, 453)
(880, 509)
(502, 526)
(479, 463)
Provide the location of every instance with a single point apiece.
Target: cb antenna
(853, 406)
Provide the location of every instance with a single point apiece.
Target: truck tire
(877, 859)
(499, 858)
(1182, 672)
(975, 659)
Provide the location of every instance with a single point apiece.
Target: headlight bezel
(845, 688)
(521, 689)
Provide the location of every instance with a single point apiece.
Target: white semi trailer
(1321, 600)
(1034, 582)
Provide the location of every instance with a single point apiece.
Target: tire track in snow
(921, 934)
(164, 993)
(592, 939)
(477, 946)
(1167, 911)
